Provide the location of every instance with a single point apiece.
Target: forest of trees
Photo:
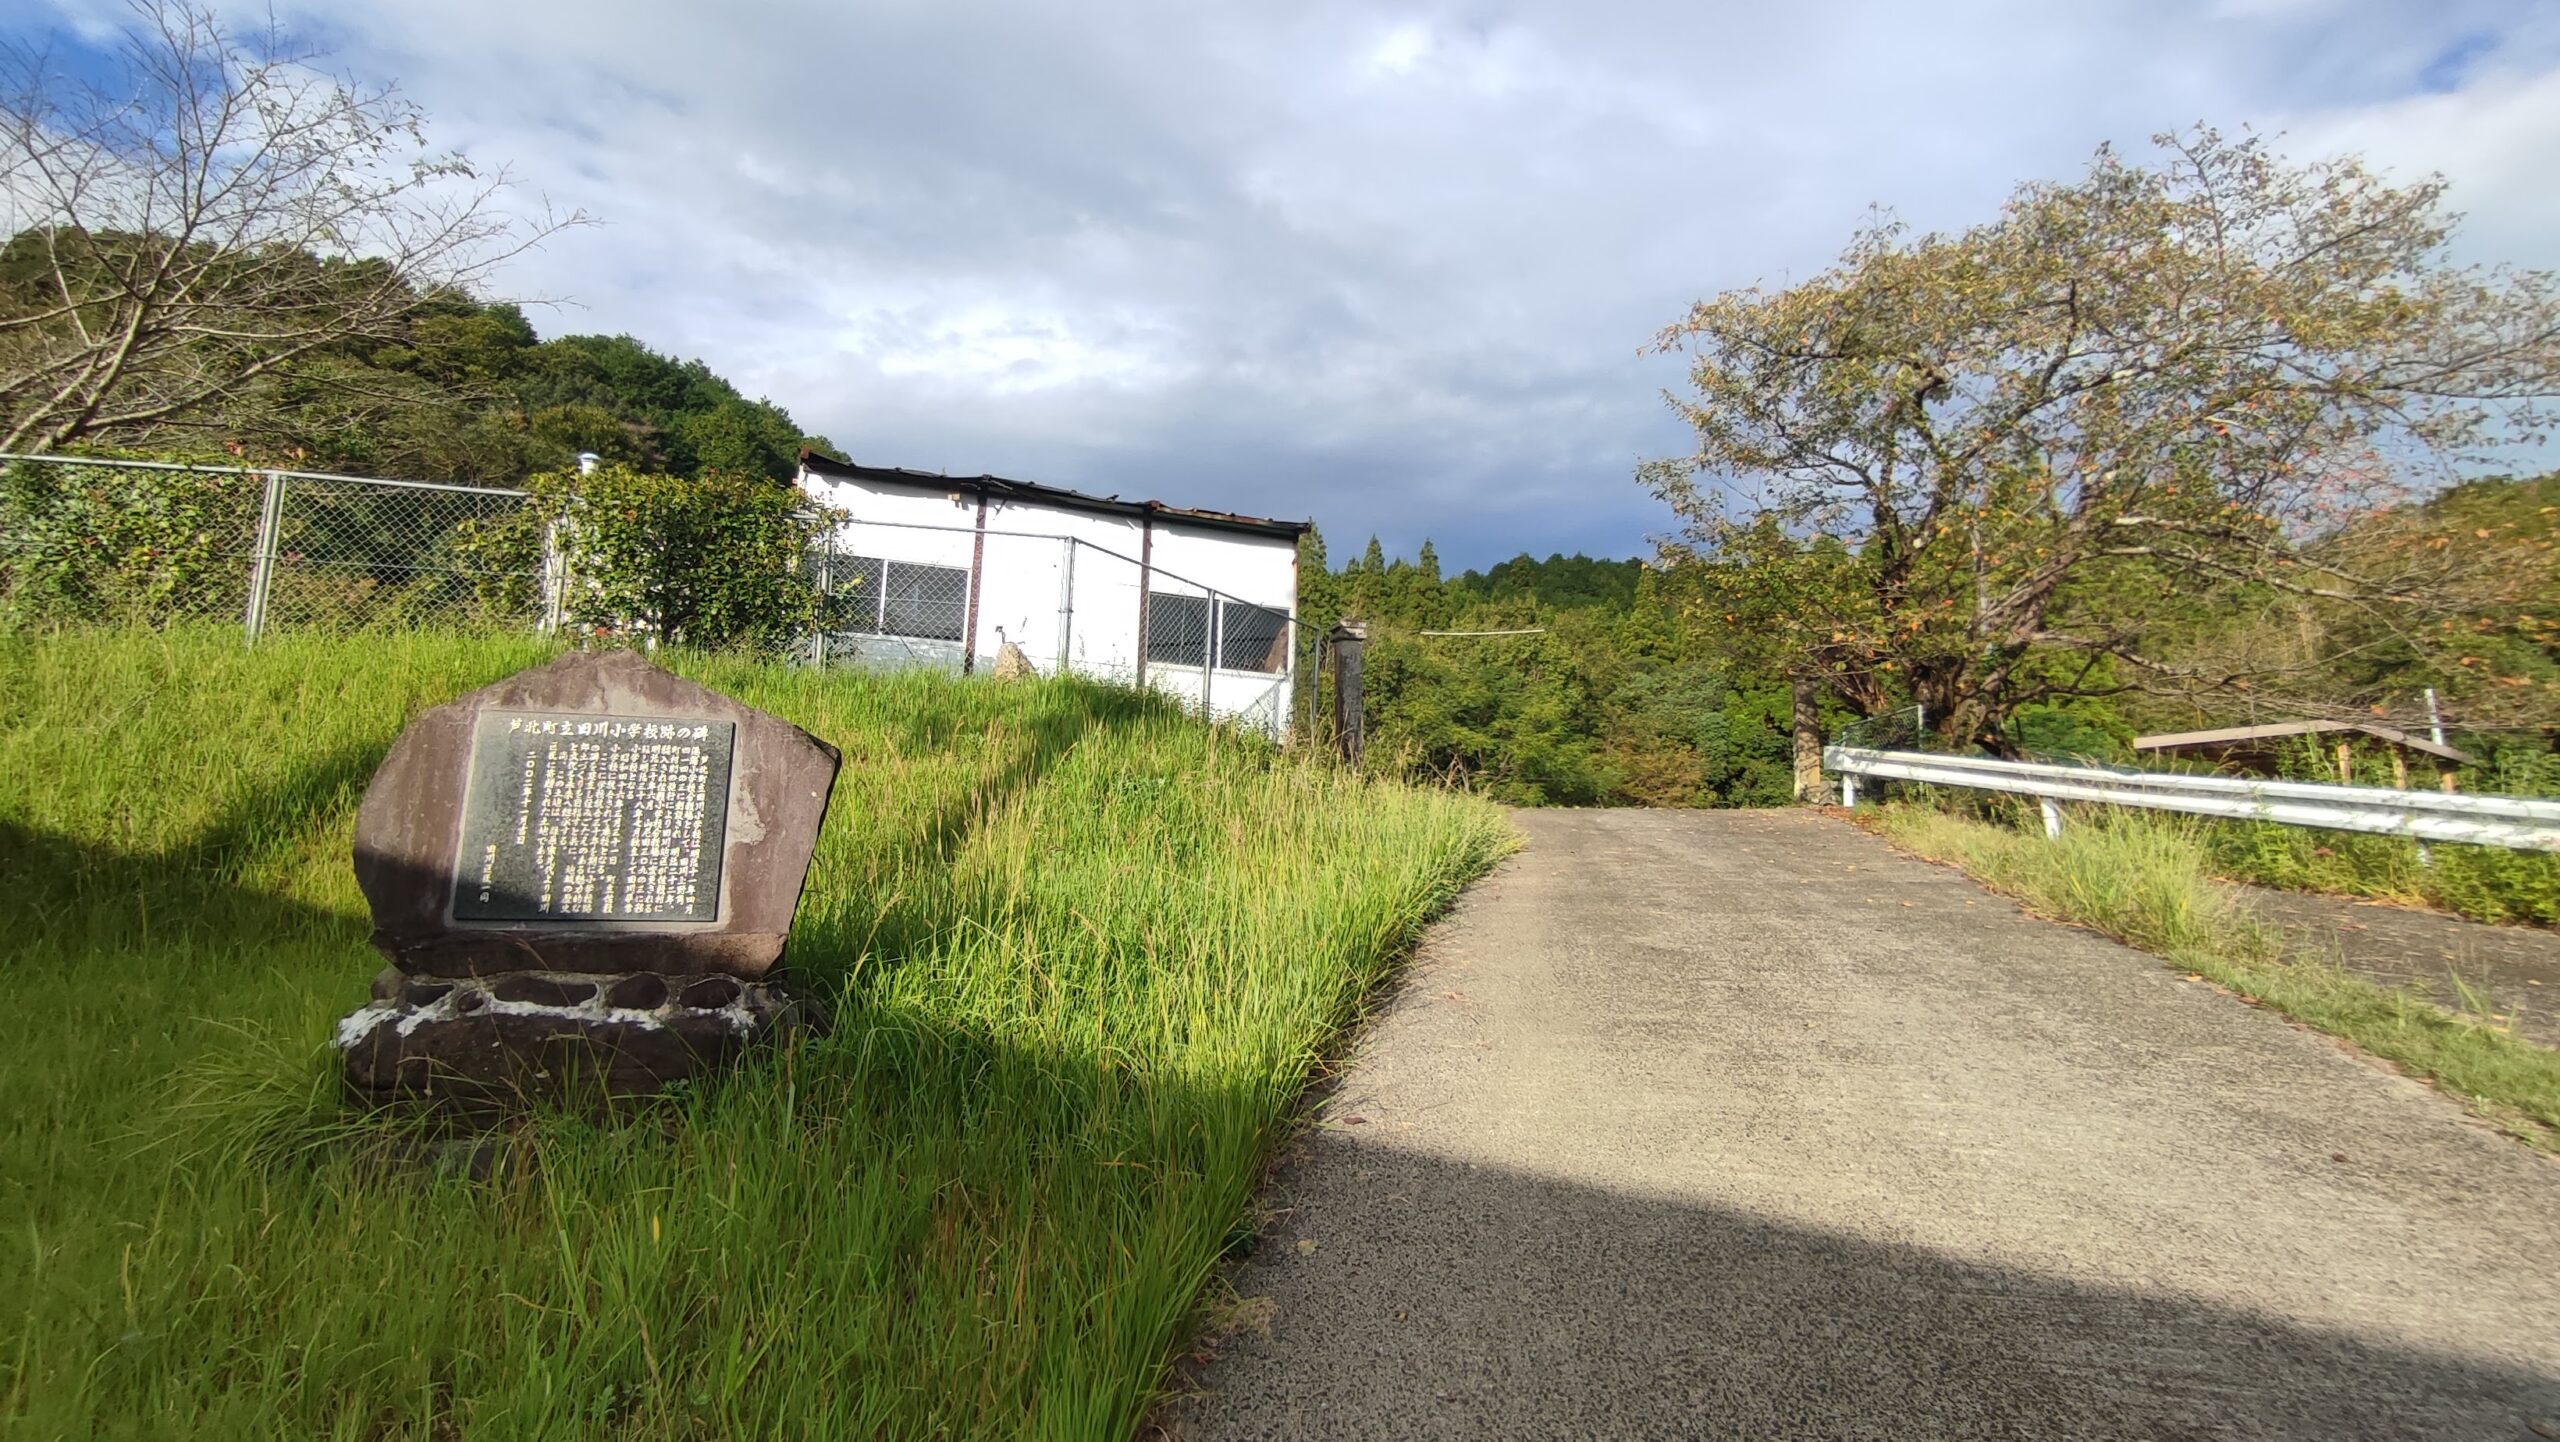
(467, 392)
(459, 390)
(222, 252)
(1611, 701)
(1635, 691)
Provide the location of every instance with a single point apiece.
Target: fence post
(1302, 697)
(2052, 817)
(1066, 600)
(2435, 728)
(555, 579)
(1146, 573)
(1347, 640)
(977, 569)
(1319, 663)
(262, 569)
(826, 587)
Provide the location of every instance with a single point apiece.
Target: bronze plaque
(588, 818)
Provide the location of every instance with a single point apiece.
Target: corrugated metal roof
(1058, 496)
(2233, 736)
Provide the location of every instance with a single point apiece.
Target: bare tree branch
(219, 210)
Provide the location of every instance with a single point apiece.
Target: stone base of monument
(583, 877)
(497, 1040)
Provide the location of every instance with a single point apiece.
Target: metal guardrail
(2518, 823)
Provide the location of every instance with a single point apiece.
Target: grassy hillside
(1082, 953)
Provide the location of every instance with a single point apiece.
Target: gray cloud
(1391, 267)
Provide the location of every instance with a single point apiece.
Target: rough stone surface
(409, 827)
(1740, 1125)
(505, 1038)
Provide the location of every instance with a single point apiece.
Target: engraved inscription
(593, 818)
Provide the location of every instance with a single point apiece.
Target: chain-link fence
(90, 541)
(140, 542)
(1903, 728)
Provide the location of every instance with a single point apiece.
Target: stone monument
(586, 870)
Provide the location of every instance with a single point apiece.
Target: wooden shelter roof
(2247, 738)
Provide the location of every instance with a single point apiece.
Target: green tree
(2494, 652)
(626, 402)
(1989, 469)
(1559, 580)
(1606, 699)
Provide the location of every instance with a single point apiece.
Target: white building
(1201, 605)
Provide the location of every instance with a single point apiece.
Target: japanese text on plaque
(591, 818)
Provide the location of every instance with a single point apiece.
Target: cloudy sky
(1388, 266)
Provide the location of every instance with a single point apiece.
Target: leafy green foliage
(710, 562)
(1560, 581)
(2493, 650)
(439, 387)
(2483, 883)
(468, 393)
(84, 544)
(625, 402)
(2070, 730)
(1610, 705)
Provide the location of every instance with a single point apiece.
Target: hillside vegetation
(1616, 698)
(1637, 693)
(1632, 692)
(1082, 953)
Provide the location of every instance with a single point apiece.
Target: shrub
(92, 543)
(714, 563)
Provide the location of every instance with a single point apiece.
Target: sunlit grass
(1081, 952)
(2148, 883)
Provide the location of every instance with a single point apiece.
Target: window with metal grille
(1178, 629)
(901, 598)
(1252, 638)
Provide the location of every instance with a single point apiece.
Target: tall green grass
(2482, 883)
(1082, 953)
(2148, 882)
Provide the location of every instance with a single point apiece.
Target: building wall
(1024, 588)
(1064, 585)
(1261, 570)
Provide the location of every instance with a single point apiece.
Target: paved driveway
(1740, 1125)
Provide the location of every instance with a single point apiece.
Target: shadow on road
(1602, 1314)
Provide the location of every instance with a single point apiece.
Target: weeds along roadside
(2478, 883)
(2147, 881)
(1083, 952)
